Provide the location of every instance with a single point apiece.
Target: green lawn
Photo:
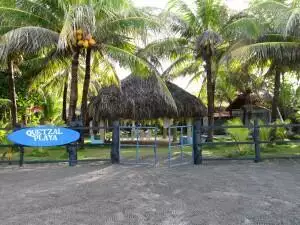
(103, 152)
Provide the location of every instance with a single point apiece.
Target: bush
(238, 134)
(3, 133)
(264, 132)
(280, 133)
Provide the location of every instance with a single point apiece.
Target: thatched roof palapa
(137, 98)
(145, 98)
(188, 106)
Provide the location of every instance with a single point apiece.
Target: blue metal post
(181, 142)
(256, 141)
(197, 151)
(155, 147)
(115, 147)
(137, 156)
(192, 143)
(169, 148)
(119, 144)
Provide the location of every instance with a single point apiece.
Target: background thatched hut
(249, 106)
(136, 99)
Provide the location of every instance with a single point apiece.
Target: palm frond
(127, 59)
(27, 17)
(211, 13)
(168, 48)
(185, 11)
(27, 40)
(189, 67)
(284, 53)
(247, 27)
(176, 65)
(293, 23)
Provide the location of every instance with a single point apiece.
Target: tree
(201, 26)
(26, 40)
(81, 17)
(106, 32)
(275, 41)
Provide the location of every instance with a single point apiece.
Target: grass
(103, 152)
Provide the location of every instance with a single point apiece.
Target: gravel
(228, 193)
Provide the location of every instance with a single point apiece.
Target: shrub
(280, 133)
(238, 134)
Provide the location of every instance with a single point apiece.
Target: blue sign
(44, 136)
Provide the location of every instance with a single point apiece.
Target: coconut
(80, 43)
(86, 44)
(92, 42)
(79, 32)
(79, 37)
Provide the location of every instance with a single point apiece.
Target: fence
(132, 148)
(255, 129)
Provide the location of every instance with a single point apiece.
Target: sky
(236, 5)
(233, 4)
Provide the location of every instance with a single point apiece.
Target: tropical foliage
(52, 62)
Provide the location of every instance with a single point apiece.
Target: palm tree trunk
(86, 86)
(65, 95)
(12, 93)
(74, 86)
(276, 95)
(210, 97)
(165, 133)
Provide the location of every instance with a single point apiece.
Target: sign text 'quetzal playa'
(44, 136)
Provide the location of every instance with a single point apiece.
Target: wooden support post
(21, 150)
(197, 152)
(72, 150)
(102, 130)
(115, 147)
(256, 141)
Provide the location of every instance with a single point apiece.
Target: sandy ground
(228, 193)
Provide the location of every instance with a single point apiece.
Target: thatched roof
(187, 105)
(245, 99)
(137, 99)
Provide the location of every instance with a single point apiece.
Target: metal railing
(255, 128)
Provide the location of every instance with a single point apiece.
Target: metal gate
(138, 145)
(180, 152)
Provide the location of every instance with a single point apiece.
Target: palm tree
(201, 25)
(108, 35)
(16, 15)
(276, 41)
(69, 17)
(26, 40)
